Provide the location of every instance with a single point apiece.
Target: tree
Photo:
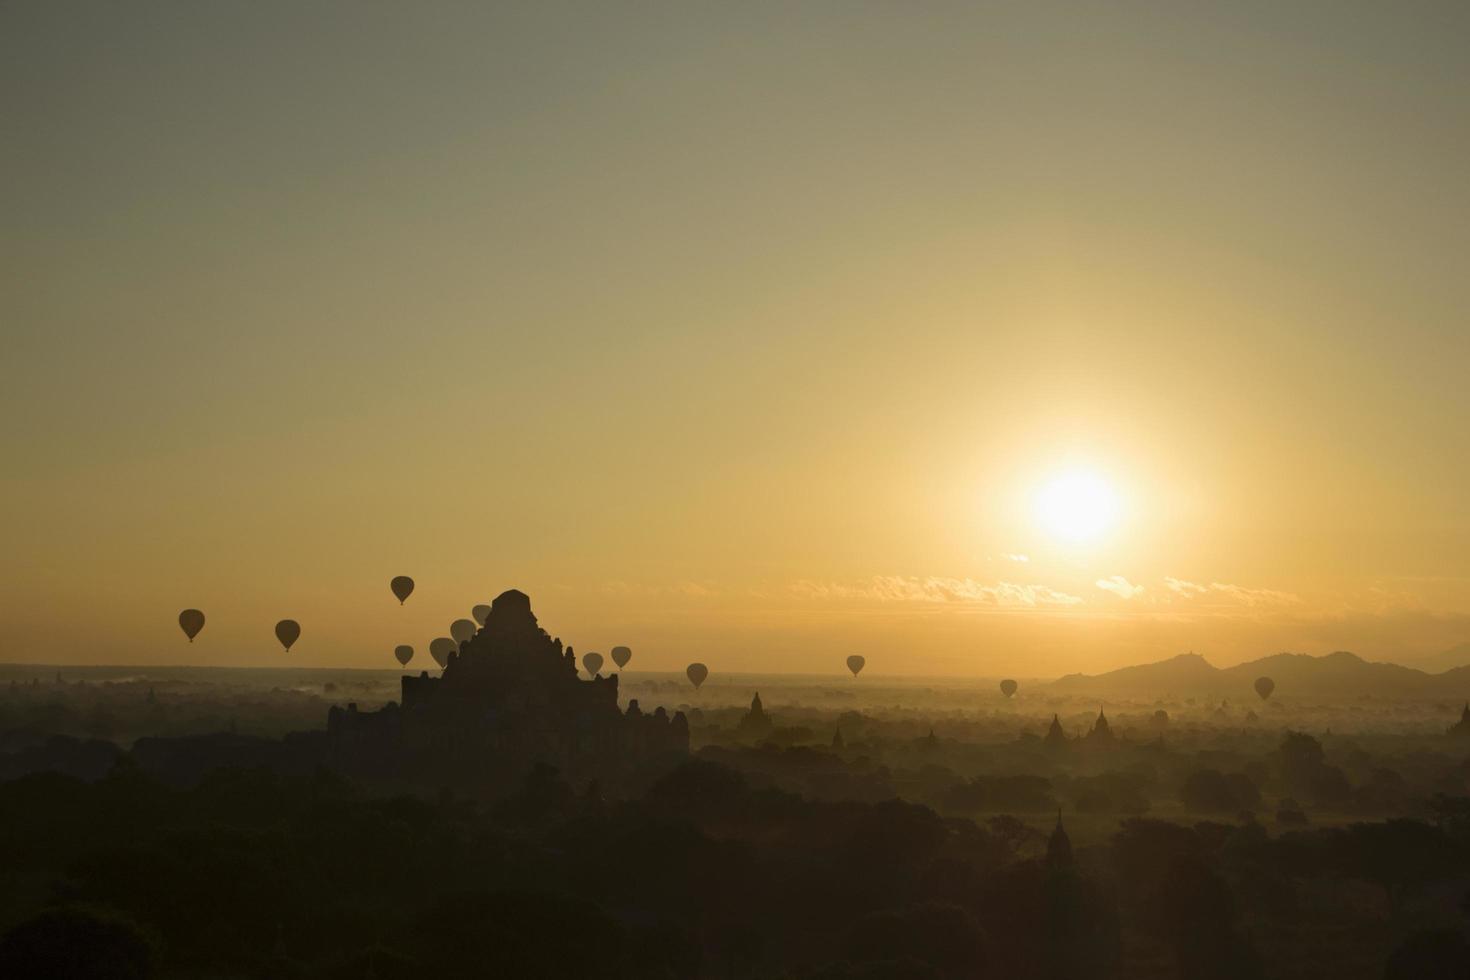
(945, 937)
(76, 944)
(1197, 911)
(1432, 955)
(1305, 769)
(1211, 791)
(1399, 854)
(1079, 929)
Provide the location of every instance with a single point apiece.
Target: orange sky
(743, 335)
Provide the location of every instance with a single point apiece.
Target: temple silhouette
(755, 723)
(1099, 737)
(508, 699)
(1059, 848)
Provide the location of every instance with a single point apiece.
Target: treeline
(124, 711)
(1283, 779)
(253, 874)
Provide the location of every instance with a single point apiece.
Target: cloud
(1187, 589)
(692, 590)
(936, 589)
(1223, 592)
(1211, 597)
(1119, 586)
(1020, 558)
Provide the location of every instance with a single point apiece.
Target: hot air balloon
(1008, 687)
(592, 663)
(288, 631)
(462, 630)
(621, 656)
(404, 653)
(481, 613)
(191, 621)
(1264, 687)
(441, 648)
(696, 674)
(856, 663)
(402, 587)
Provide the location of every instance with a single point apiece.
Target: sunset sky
(978, 339)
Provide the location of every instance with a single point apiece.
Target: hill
(1455, 656)
(1188, 673)
(1337, 676)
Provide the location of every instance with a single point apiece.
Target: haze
(745, 333)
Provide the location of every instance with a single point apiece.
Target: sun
(1077, 507)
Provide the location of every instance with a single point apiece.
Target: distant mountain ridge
(1455, 656)
(1335, 675)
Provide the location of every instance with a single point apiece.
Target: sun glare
(1077, 507)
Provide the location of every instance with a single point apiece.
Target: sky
(745, 333)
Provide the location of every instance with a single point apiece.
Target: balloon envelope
(856, 663)
(592, 663)
(191, 621)
(462, 630)
(441, 648)
(481, 613)
(1008, 687)
(1264, 687)
(404, 654)
(288, 631)
(621, 656)
(696, 674)
(402, 587)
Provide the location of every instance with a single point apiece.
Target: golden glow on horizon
(762, 336)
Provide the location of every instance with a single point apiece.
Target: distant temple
(755, 723)
(507, 699)
(1100, 736)
(1056, 738)
(1059, 848)
(1462, 727)
(1102, 732)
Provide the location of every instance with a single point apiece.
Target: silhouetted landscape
(821, 490)
(318, 823)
